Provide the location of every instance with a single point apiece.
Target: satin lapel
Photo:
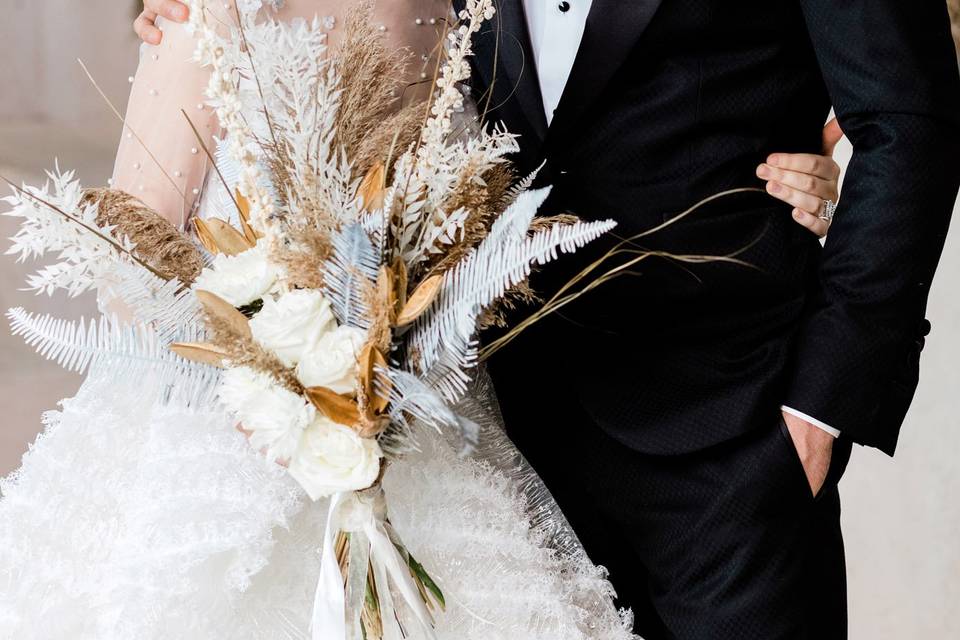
(613, 28)
(505, 56)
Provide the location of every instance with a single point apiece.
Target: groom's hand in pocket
(815, 448)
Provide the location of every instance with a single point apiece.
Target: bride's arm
(160, 159)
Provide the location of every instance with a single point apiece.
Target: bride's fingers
(146, 29)
(169, 9)
(811, 222)
(799, 199)
(822, 189)
(820, 166)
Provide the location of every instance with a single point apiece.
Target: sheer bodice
(160, 159)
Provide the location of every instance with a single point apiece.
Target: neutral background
(901, 517)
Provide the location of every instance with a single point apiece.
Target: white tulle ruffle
(130, 519)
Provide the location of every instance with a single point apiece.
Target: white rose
(276, 417)
(239, 279)
(293, 324)
(332, 363)
(334, 458)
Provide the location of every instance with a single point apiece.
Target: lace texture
(134, 519)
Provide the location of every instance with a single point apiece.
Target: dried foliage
(243, 350)
(368, 74)
(156, 240)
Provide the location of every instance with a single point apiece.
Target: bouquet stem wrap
(340, 599)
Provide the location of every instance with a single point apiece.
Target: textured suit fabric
(726, 543)
(671, 101)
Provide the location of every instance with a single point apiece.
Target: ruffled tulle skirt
(135, 518)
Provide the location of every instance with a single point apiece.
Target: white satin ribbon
(362, 512)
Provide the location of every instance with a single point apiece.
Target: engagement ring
(829, 208)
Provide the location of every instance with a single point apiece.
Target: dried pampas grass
(157, 241)
(241, 349)
(368, 73)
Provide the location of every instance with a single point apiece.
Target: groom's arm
(891, 71)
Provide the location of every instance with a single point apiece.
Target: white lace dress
(135, 517)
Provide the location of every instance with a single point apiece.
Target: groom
(693, 420)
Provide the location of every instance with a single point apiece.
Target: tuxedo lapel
(505, 56)
(613, 28)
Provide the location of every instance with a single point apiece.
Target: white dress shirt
(556, 29)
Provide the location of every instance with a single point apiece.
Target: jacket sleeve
(891, 70)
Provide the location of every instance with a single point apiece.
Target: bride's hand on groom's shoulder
(805, 180)
(145, 24)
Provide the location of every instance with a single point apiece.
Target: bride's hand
(806, 180)
(145, 24)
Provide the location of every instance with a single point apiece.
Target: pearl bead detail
(382, 28)
(155, 57)
(136, 165)
(177, 174)
(110, 182)
(153, 92)
(418, 21)
(130, 79)
(433, 21)
(194, 151)
(140, 188)
(195, 191)
(200, 106)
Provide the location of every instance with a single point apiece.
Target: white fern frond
(123, 350)
(412, 402)
(524, 185)
(170, 308)
(484, 276)
(353, 267)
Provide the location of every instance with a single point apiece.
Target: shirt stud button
(564, 6)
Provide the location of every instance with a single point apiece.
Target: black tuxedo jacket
(670, 101)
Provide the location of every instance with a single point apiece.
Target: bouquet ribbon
(364, 516)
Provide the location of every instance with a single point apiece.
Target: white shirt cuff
(820, 425)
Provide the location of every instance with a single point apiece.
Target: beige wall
(40, 78)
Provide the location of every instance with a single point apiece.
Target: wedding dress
(137, 516)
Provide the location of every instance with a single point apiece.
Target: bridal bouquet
(338, 314)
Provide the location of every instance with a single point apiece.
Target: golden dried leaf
(372, 187)
(420, 300)
(340, 409)
(243, 207)
(204, 236)
(370, 360)
(220, 308)
(202, 352)
(228, 240)
(374, 426)
(403, 280)
(387, 290)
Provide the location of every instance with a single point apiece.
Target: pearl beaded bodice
(160, 159)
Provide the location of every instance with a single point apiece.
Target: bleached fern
(124, 351)
(54, 220)
(171, 309)
(503, 260)
(349, 273)
(413, 402)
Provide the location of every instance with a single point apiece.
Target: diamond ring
(829, 208)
